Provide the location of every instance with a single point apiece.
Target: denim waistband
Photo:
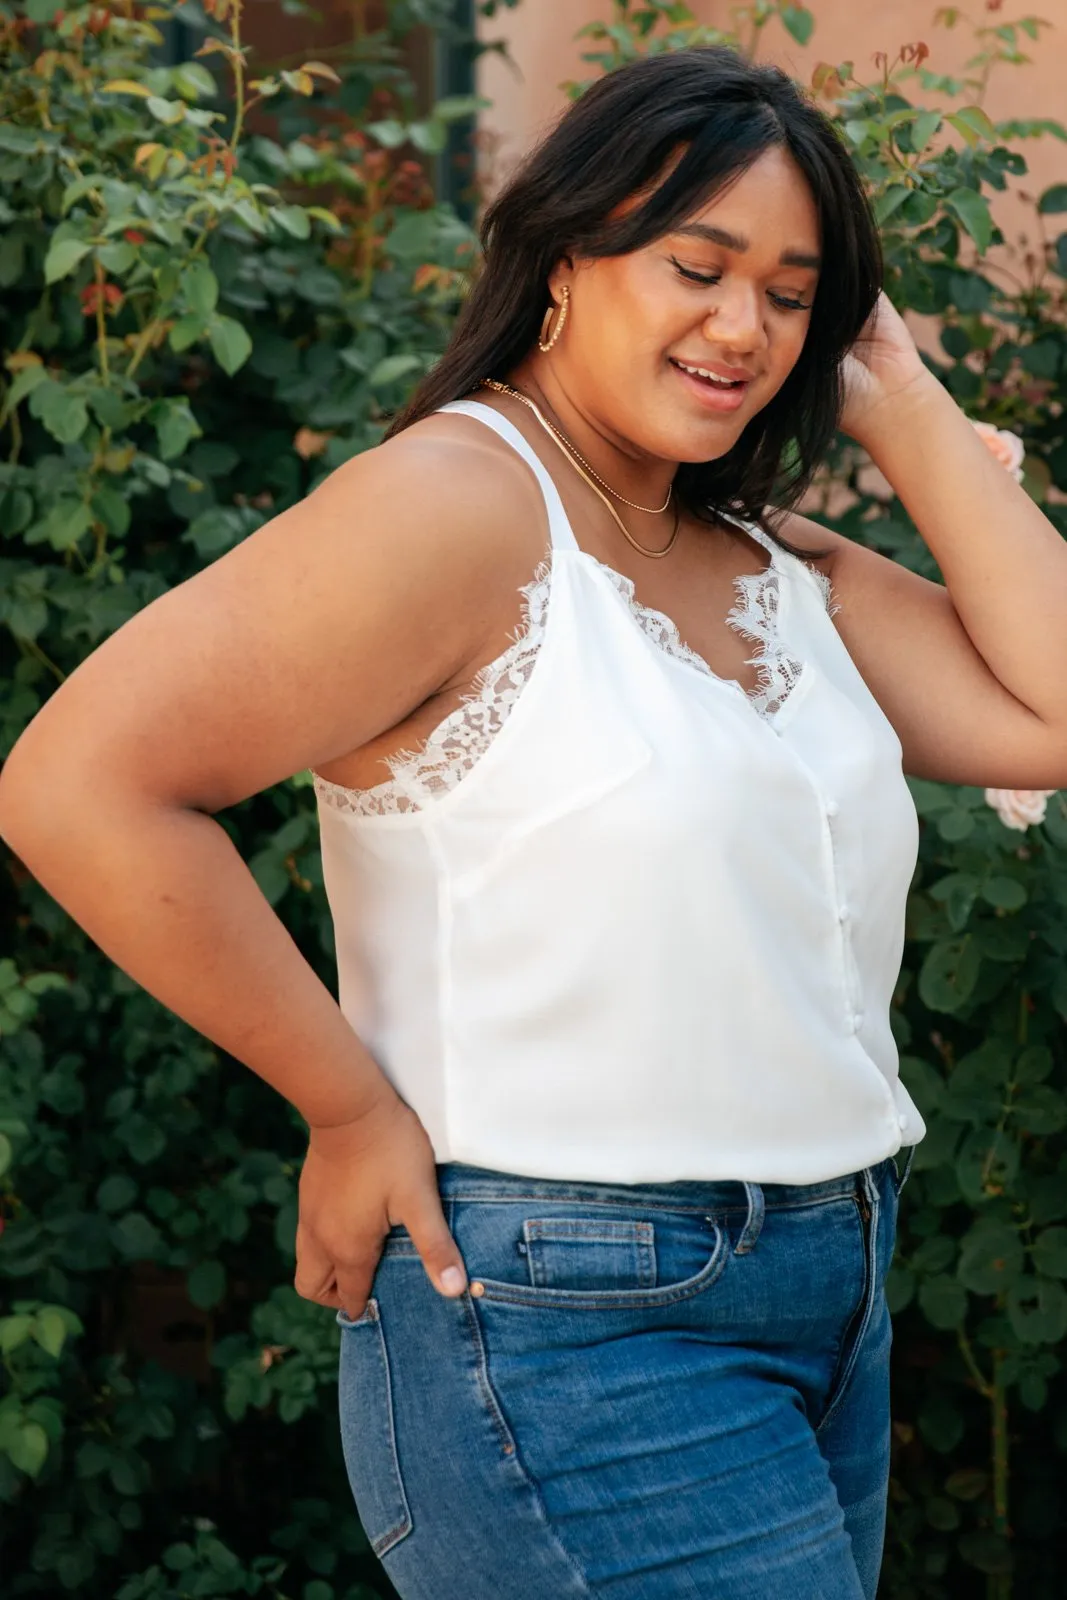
(459, 1181)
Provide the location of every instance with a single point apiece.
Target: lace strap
(559, 527)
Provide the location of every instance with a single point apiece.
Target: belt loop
(753, 1222)
(902, 1176)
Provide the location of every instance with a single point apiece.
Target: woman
(617, 842)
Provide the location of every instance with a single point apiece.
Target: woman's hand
(359, 1180)
(882, 366)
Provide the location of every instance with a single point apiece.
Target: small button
(844, 913)
(857, 1018)
(832, 808)
(902, 1122)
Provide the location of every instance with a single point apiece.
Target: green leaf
(200, 289)
(1050, 1253)
(166, 111)
(5, 1143)
(64, 525)
(940, 1422)
(23, 384)
(1041, 1110)
(392, 368)
(293, 220)
(14, 1331)
(973, 211)
(1053, 200)
(207, 1284)
(413, 234)
(1037, 1310)
(943, 1302)
(117, 257)
(923, 129)
(974, 124)
(949, 973)
(136, 1237)
(987, 1164)
(50, 1330)
(175, 426)
(798, 21)
(955, 824)
(890, 200)
(968, 1483)
(64, 414)
(990, 1258)
(27, 1448)
(185, 332)
(388, 132)
(230, 343)
(1008, 894)
(455, 106)
(987, 1551)
(63, 256)
(429, 136)
(111, 508)
(116, 1192)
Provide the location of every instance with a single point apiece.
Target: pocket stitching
(495, 1289)
(848, 1356)
(385, 1541)
(639, 1234)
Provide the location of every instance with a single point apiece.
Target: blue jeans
(664, 1390)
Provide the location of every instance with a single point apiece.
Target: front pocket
(368, 1431)
(586, 1258)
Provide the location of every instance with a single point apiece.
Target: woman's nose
(735, 322)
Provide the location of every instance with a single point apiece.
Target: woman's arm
(321, 631)
(973, 675)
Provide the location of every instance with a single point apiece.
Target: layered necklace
(589, 473)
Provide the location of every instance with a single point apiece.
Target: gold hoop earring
(541, 345)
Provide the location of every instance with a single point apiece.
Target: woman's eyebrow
(735, 241)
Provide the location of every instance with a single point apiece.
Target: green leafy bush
(979, 1286)
(197, 319)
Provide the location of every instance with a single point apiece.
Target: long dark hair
(613, 143)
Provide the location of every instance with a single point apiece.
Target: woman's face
(727, 293)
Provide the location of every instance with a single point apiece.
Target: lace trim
(454, 746)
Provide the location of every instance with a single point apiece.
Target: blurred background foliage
(217, 281)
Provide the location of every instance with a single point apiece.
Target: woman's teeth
(711, 377)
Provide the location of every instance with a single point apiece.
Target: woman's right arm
(322, 630)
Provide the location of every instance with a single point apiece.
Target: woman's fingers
(315, 1278)
(424, 1219)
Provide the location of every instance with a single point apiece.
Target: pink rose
(1019, 808)
(1006, 446)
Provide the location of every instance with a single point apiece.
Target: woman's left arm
(972, 674)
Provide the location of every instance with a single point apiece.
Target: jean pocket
(575, 1258)
(368, 1430)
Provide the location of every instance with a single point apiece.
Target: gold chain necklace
(583, 468)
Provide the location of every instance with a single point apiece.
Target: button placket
(853, 995)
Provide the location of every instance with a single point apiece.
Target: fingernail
(452, 1280)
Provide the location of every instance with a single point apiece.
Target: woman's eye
(783, 301)
(696, 277)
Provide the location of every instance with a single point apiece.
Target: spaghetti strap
(559, 527)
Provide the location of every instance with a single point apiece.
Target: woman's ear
(562, 274)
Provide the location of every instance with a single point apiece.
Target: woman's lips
(712, 395)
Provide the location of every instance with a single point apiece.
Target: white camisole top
(622, 921)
